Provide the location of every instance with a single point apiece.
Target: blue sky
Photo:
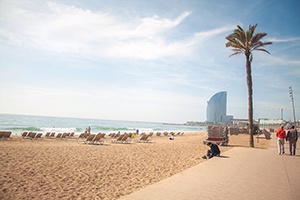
(158, 61)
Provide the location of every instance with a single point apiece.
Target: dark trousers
(292, 145)
(211, 154)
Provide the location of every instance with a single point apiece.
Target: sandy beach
(70, 169)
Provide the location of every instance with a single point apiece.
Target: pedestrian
(292, 137)
(280, 134)
(213, 151)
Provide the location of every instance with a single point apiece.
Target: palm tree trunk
(250, 100)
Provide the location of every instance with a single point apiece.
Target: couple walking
(291, 136)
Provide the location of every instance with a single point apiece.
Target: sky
(138, 60)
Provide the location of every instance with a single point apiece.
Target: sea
(18, 124)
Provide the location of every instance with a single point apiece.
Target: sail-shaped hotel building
(216, 109)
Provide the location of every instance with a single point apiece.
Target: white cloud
(284, 39)
(72, 30)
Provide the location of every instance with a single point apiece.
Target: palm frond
(263, 50)
(257, 37)
(236, 53)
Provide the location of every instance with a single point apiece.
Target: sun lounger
(5, 135)
(65, 135)
(119, 138)
(39, 135)
(31, 135)
(84, 135)
(24, 134)
(52, 135)
(58, 135)
(112, 135)
(47, 134)
(151, 133)
(99, 138)
(145, 138)
(90, 138)
(124, 139)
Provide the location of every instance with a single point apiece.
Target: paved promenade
(241, 173)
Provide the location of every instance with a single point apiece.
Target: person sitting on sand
(172, 136)
(213, 151)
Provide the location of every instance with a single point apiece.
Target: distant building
(216, 109)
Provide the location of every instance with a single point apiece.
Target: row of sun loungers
(59, 135)
(33, 135)
(93, 138)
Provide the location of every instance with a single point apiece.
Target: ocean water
(17, 124)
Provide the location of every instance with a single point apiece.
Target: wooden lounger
(5, 135)
(31, 135)
(99, 138)
(90, 138)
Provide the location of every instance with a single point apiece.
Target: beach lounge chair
(5, 135)
(65, 135)
(158, 134)
(31, 135)
(124, 139)
(72, 135)
(58, 135)
(90, 138)
(52, 135)
(145, 138)
(24, 134)
(39, 135)
(47, 134)
(83, 135)
(112, 135)
(118, 139)
(99, 138)
(166, 133)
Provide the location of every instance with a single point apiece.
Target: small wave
(79, 129)
(103, 128)
(58, 129)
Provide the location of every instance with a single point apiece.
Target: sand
(70, 169)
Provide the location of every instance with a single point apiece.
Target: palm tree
(244, 42)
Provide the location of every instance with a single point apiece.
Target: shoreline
(68, 168)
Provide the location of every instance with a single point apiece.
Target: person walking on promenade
(213, 151)
(280, 134)
(292, 137)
